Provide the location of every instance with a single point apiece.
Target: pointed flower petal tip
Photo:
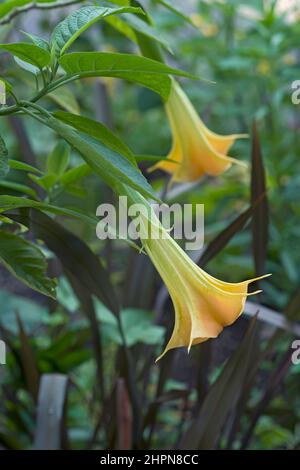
(196, 150)
(259, 291)
(206, 310)
(266, 275)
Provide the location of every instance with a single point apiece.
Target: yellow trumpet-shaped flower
(203, 304)
(196, 150)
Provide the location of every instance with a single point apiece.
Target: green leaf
(46, 181)
(271, 435)
(76, 190)
(4, 167)
(142, 27)
(28, 67)
(20, 188)
(121, 2)
(40, 42)
(147, 72)
(58, 160)
(76, 174)
(29, 53)
(110, 165)
(16, 165)
(97, 130)
(13, 202)
(25, 261)
(77, 22)
(137, 325)
(8, 203)
(57, 163)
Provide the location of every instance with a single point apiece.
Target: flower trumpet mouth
(196, 150)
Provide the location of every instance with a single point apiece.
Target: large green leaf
(4, 167)
(26, 262)
(9, 203)
(75, 174)
(147, 72)
(13, 202)
(17, 165)
(110, 165)
(120, 25)
(122, 3)
(77, 22)
(96, 129)
(29, 53)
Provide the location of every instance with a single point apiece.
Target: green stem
(9, 110)
(41, 110)
(46, 90)
(34, 6)
(33, 115)
(53, 86)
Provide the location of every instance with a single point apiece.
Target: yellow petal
(196, 150)
(203, 304)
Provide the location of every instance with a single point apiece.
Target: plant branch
(36, 6)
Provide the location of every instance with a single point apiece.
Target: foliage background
(251, 54)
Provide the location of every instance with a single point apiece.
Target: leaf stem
(33, 115)
(41, 110)
(34, 6)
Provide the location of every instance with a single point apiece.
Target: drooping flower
(196, 150)
(203, 304)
